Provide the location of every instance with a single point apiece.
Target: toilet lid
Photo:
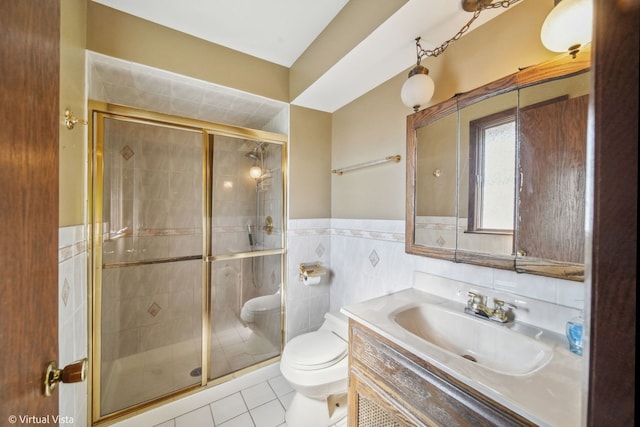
(315, 350)
(263, 303)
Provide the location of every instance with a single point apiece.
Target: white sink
(488, 344)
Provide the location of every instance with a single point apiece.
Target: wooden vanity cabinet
(389, 387)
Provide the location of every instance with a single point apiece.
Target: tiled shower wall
(236, 200)
(149, 306)
(153, 192)
(234, 195)
(152, 208)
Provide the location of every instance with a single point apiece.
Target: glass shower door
(149, 284)
(246, 250)
(187, 255)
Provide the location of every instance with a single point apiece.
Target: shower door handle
(73, 373)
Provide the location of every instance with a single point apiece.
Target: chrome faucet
(477, 306)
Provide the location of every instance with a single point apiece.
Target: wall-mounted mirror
(435, 168)
(496, 176)
(552, 120)
(487, 144)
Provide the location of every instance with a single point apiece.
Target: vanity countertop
(548, 396)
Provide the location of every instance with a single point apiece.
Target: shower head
(253, 154)
(256, 153)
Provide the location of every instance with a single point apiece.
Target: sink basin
(485, 343)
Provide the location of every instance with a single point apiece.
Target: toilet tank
(338, 323)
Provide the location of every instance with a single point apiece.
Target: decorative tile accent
(374, 258)
(154, 309)
(80, 247)
(374, 235)
(320, 250)
(127, 152)
(308, 232)
(441, 242)
(65, 253)
(66, 292)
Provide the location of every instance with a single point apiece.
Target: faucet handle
(499, 312)
(473, 297)
(475, 300)
(501, 304)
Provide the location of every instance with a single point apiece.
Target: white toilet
(262, 316)
(316, 366)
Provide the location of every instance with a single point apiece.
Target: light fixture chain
(438, 50)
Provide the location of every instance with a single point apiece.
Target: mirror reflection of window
(492, 173)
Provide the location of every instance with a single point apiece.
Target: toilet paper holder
(311, 270)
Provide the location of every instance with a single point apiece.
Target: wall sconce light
(568, 26)
(418, 89)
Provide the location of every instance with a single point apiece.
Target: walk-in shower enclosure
(187, 223)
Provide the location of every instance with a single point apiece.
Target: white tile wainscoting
(72, 318)
(365, 259)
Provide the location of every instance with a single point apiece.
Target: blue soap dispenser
(575, 328)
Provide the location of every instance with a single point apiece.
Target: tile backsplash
(543, 314)
(366, 259)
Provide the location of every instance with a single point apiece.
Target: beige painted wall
(95, 27)
(369, 128)
(309, 164)
(72, 96)
(373, 126)
(124, 36)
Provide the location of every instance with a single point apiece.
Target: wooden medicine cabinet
(496, 176)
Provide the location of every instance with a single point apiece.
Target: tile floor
(260, 405)
(257, 400)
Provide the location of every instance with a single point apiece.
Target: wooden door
(29, 122)
(553, 178)
(612, 255)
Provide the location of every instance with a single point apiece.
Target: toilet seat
(315, 350)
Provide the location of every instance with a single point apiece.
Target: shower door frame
(98, 112)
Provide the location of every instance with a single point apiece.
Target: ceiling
(274, 30)
(279, 31)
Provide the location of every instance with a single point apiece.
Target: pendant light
(568, 26)
(418, 89)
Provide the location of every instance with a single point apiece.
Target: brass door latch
(72, 373)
